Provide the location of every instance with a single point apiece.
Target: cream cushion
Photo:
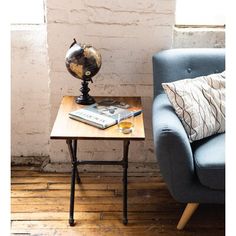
(199, 103)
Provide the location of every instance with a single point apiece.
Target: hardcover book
(103, 114)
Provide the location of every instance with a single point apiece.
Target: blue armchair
(194, 172)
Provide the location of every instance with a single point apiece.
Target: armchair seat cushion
(209, 158)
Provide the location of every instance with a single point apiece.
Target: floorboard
(40, 203)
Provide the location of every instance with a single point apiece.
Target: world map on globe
(83, 61)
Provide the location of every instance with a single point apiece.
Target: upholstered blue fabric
(209, 158)
(175, 64)
(174, 153)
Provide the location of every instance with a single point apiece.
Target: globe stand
(85, 98)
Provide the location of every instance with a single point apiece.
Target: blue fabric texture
(189, 177)
(209, 157)
(175, 64)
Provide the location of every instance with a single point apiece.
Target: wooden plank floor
(40, 203)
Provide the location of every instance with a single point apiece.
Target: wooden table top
(65, 127)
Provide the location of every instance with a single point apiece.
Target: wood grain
(64, 127)
(40, 204)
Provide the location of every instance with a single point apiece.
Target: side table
(72, 131)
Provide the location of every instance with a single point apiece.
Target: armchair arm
(172, 148)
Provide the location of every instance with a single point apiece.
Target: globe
(83, 62)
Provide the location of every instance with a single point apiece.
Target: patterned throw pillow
(199, 103)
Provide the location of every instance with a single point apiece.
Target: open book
(103, 116)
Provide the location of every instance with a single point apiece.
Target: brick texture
(127, 33)
(30, 107)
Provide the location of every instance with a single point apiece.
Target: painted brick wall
(199, 38)
(30, 106)
(127, 33)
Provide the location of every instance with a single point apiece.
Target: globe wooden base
(85, 98)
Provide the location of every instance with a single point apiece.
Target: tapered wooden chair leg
(188, 212)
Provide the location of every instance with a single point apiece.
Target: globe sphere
(83, 61)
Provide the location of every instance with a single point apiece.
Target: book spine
(87, 122)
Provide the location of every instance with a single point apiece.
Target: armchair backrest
(175, 64)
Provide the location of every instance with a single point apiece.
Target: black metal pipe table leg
(72, 146)
(73, 174)
(74, 143)
(125, 167)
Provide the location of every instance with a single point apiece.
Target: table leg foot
(125, 221)
(71, 222)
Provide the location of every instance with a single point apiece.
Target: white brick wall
(199, 38)
(127, 33)
(30, 107)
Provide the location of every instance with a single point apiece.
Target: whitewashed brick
(107, 16)
(134, 6)
(127, 33)
(65, 4)
(30, 92)
(99, 145)
(57, 16)
(203, 38)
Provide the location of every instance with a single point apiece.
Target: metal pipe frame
(72, 146)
